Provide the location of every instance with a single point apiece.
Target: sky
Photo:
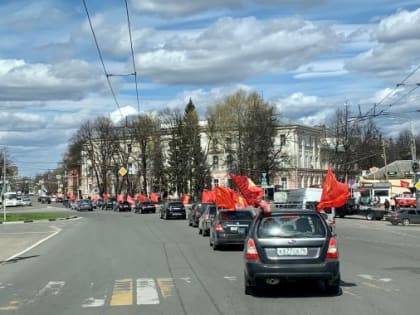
(307, 58)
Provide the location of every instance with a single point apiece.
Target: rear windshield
(295, 225)
(235, 215)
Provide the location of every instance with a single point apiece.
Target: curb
(47, 220)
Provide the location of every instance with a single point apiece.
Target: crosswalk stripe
(52, 288)
(146, 292)
(166, 286)
(122, 293)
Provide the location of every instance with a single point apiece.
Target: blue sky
(306, 57)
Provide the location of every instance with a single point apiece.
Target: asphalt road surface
(125, 263)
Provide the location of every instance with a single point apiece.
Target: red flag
(142, 198)
(240, 202)
(131, 200)
(334, 194)
(224, 198)
(404, 183)
(154, 197)
(120, 198)
(105, 196)
(208, 196)
(248, 189)
(185, 199)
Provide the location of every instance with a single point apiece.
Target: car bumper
(329, 270)
(176, 215)
(229, 239)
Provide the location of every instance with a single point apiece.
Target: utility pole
(4, 185)
(384, 156)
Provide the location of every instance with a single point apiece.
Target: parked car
(84, 205)
(173, 209)
(230, 228)
(26, 201)
(205, 220)
(290, 245)
(123, 206)
(144, 207)
(405, 217)
(196, 212)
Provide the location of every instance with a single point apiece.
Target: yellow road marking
(13, 305)
(166, 286)
(122, 293)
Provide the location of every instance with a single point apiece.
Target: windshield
(235, 215)
(295, 225)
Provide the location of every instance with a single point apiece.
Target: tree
(243, 127)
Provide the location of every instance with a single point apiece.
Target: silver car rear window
(291, 225)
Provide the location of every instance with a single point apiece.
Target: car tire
(394, 223)
(405, 222)
(370, 216)
(332, 288)
(200, 231)
(249, 289)
(215, 245)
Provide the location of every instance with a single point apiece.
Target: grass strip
(10, 217)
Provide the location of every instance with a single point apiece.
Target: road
(126, 263)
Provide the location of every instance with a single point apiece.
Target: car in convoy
(173, 209)
(84, 205)
(290, 244)
(405, 217)
(144, 207)
(230, 228)
(110, 204)
(204, 223)
(196, 212)
(123, 207)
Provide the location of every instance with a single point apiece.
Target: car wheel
(189, 223)
(333, 288)
(249, 289)
(370, 216)
(200, 231)
(215, 245)
(394, 223)
(406, 222)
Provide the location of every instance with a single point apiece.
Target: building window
(215, 182)
(282, 139)
(229, 162)
(215, 162)
(283, 183)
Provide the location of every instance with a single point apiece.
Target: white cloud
(400, 26)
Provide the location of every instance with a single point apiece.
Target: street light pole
(4, 185)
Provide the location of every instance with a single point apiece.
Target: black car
(204, 223)
(230, 228)
(110, 204)
(144, 207)
(173, 209)
(123, 206)
(290, 245)
(196, 212)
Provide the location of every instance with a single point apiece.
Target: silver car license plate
(295, 251)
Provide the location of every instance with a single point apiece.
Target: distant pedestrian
(386, 205)
(392, 204)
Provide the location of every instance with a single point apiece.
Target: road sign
(417, 186)
(122, 171)
(58, 177)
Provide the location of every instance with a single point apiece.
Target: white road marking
(231, 278)
(367, 277)
(92, 302)
(186, 279)
(146, 292)
(57, 230)
(52, 288)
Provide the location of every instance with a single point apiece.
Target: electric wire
(132, 55)
(101, 58)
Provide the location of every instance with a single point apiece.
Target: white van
(10, 199)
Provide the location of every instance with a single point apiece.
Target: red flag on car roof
(248, 189)
(120, 198)
(105, 196)
(208, 196)
(131, 200)
(185, 199)
(224, 198)
(142, 198)
(154, 197)
(334, 194)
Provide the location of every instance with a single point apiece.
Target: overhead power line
(101, 58)
(132, 55)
